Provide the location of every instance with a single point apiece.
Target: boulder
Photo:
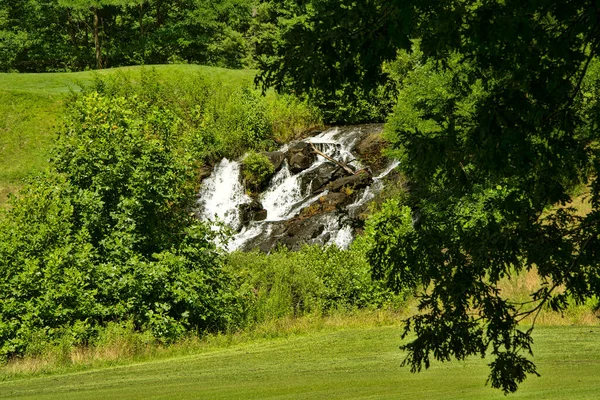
(370, 151)
(315, 180)
(305, 230)
(356, 181)
(300, 157)
(276, 158)
(333, 200)
(252, 211)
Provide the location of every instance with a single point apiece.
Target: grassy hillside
(347, 363)
(31, 105)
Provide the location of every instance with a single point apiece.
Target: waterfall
(370, 192)
(222, 193)
(288, 194)
(284, 191)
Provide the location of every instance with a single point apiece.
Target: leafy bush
(385, 228)
(313, 280)
(291, 116)
(108, 235)
(216, 119)
(257, 169)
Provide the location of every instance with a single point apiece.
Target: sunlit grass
(336, 362)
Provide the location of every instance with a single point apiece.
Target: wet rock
(276, 158)
(300, 157)
(370, 151)
(204, 173)
(315, 180)
(260, 215)
(306, 230)
(333, 200)
(252, 211)
(356, 181)
(302, 232)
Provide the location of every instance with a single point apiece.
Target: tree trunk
(159, 16)
(73, 36)
(141, 16)
(97, 39)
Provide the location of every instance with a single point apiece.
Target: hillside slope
(31, 105)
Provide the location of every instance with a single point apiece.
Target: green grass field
(31, 106)
(350, 363)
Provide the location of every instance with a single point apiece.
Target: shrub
(108, 235)
(217, 119)
(257, 169)
(313, 280)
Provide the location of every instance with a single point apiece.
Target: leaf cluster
(257, 169)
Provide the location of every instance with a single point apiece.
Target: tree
(497, 123)
(68, 35)
(331, 53)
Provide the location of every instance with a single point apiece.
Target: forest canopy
(74, 35)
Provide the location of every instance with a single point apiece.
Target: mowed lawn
(357, 363)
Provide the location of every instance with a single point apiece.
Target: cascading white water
(337, 144)
(287, 194)
(376, 187)
(222, 194)
(343, 237)
(283, 192)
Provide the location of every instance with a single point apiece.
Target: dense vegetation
(107, 234)
(497, 125)
(493, 111)
(115, 244)
(73, 35)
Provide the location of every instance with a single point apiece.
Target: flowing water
(221, 195)
(286, 195)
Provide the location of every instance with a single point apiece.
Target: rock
(253, 211)
(302, 232)
(276, 158)
(300, 157)
(260, 215)
(316, 179)
(369, 150)
(204, 173)
(333, 200)
(356, 181)
(306, 230)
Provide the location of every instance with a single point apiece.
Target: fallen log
(340, 164)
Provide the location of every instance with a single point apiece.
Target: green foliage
(313, 280)
(496, 125)
(299, 53)
(384, 230)
(257, 169)
(217, 119)
(243, 123)
(291, 117)
(113, 235)
(71, 35)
